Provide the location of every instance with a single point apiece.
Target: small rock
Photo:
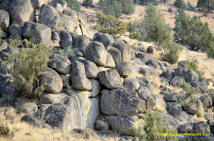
(101, 125)
(104, 38)
(151, 49)
(81, 82)
(4, 20)
(124, 68)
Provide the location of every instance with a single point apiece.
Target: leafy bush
(171, 51)
(131, 27)
(180, 4)
(189, 89)
(153, 126)
(193, 65)
(145, 2)
(193, 32)
(28, 64)
(154, 27)
(136, 36)
(74, 4)
(88, 3)
(128, 6)
(110, 24)
(111, 7)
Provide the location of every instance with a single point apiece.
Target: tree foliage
(180, 4)
(110, 24)
(154, 27)
(206, 5)
(88, 3)
(74, 4)
(193, 32)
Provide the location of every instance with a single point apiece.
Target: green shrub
(110, 24)
(193, 32)
(171, 51)
(193, 65)
(74, 4)
(28, 64)
(153, 126)
(189, 90)
(111, 7)
(88, 3)
(145, 2)
(154, 27)
(131, 27)
(180, 4)
(136, 36)
(128, 6)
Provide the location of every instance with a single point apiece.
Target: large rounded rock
(174, 108)
(116, 54)
(51, 81)
(122, 102)
(104, 38)
(49, 16)
(65, 40)
(91, 69)
(4, 19)
(60, 63)
(124, 68)
(81, 82)
(21, 11)
(37, 33)
(97, 53)
(110, 79)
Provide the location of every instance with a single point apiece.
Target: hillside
(62, 80)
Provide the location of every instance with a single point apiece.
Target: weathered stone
(153, 63)
(151, 49)
(65, 40)
(91, 69)
(95, 88)
(101, 125)
(201, 127)
(15, 32)
(30, 119)
(51, 81)
(66, 80)
(28, 108)
(160, 104)
(144, 57)
(81, 82)
(109, 61)
(116, 54)
(81, 42)
(185, 128)
(4, 20)
(124, 68)
(174, 108)
(39, 3)
(60, 63)
(122, 102)
(124, 125)
(145, 94)
(20, 11)
(7, 87)
(110, 79)
(206, 100)
(125, 49)
(3, 45)
(132, 84)
(78, 112)
(177, 81)
(97, 53)
(37, 33)
(104, 38)
(170, 98)
(49, 16)
(53, 98)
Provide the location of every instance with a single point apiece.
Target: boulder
(123, 125)
(51, 81)
(174, 108)
(153, 63)
(160, 104)
(151, 49)
(97, 53)
(3, 45)
(101, 125)
(201, 127)
(177, 81)
(4, 20)
(116, 54)
(38, 3)
(110, 79)
(144, 57)
(185, 128)
(78, 68)
(104, 38)
(131, 83)
(78, 112)
(122, 102)
(124, 68)
(206, 100)
(60, 63)
(49, 16)
(125, 49)
(53, 98)
(81, 82)
(95, 88)
(81, 42)
(109, 61)
(37, 33)
(7, 88)
(91, 69)
(15, 31)
(28, 108)
(65, 40)
(32, 120)
(20, 11)
(66, 80)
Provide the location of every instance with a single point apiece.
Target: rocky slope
(106, 85)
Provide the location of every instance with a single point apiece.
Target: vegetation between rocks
(28, 64)
(189, 90)
(193, 65)
(74, 4)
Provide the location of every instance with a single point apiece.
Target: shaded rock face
(51, 81)
(121, 102)
(37, 33)
(104, 38)
(21, 11)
